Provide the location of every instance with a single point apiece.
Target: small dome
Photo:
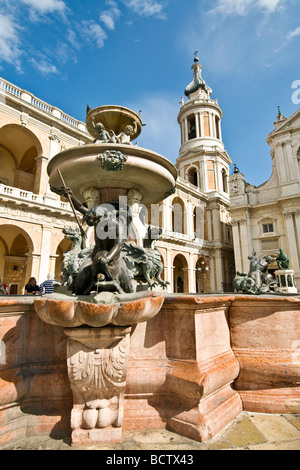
(198, 83)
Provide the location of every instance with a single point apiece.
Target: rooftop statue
(283, 261)
(258, 280)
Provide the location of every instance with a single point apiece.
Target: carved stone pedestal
(286, 281)
(201, 366)
(97, 367)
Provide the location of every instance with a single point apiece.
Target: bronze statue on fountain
(105, 267)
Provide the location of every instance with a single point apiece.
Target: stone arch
(180, 274)
(202, 270)
(3, 253)
(178, 215)
(19, 149)
(16, 259)
(64, 246)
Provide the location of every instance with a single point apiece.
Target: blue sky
(139, 53)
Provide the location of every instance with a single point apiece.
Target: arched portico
(21, 158)
(180, 274)
(202, 270)
(16, 251)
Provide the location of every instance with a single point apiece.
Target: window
(192, 128)
(192, 176)
(268, 228)
(224, 181)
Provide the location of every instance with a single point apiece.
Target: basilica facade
(267, 218)
(196, 242)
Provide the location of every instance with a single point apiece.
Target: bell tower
(202, 160)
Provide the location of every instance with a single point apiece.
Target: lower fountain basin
(72, 313)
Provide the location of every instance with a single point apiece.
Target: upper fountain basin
(115, 118)
(85, 167)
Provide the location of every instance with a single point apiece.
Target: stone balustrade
(18, 195)
(23, 95)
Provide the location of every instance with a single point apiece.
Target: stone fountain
(110, 182)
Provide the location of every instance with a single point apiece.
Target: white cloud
(110, 16)
(289, 37)
(270, 5)
(147, 7)
(92, 32)
(44, 66)
(294, 33)
(242, 7)
(10, 43)
(46, 6)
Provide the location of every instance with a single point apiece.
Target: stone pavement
(249, 431)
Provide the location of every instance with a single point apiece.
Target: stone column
(212, 274)
(246, 242)
(189, 220)
(192, 275)
(41, 177)
(217, 223)
(33, 266)
(237, 247)
(45, 253)
(203, 178)
(292, 242)
(219, 271)
(219, 128)
(52, 263)
(182, 133)
(219, 183)
(281, 166)
(209, 225)
(97, 367)
(167, 215)
(197, 124)
(297, 224)
(169, 270)
(212, 125)
(186, 131)
(201, 124)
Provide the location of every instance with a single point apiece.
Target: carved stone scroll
(97, 367)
